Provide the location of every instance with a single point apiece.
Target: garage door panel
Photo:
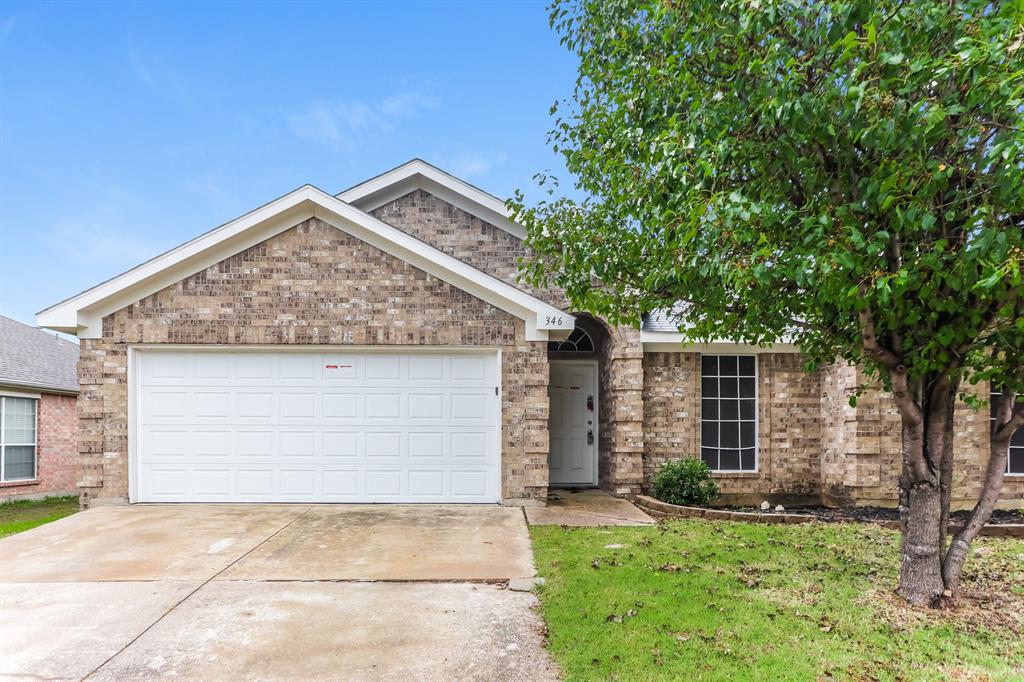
(426, 368)
(298, 406)
(341, 443)
(340, 406)
(383, 368)
(275, 426)
(427, 444)
(212, 443)
(255, 443)
(342, 484)
(254, 405)
(254, 484)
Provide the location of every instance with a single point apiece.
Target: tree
(848, 175)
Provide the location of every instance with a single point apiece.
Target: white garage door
(287, 426)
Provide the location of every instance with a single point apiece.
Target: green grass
(694, 599)
(20, 515)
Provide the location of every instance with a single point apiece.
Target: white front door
(573, 429)
(337, 425)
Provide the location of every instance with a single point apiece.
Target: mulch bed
(1006, 523)
(864, 514)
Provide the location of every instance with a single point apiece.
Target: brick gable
(312, 284)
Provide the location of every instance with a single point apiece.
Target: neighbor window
(728, 412)
(1015, 459)
(17, 438)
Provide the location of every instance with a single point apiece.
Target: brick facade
(57, 457)
(463, 236)
(312, 284)
(315, 285)
(813, 446)
(788, 425)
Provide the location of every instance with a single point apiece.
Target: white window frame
(3, 443)
(757, 413)
(992, 393)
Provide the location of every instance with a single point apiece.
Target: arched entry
(574, 399)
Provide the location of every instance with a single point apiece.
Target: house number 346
(553, 320)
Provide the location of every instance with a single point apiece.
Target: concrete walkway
(274, 592)
(586, 508)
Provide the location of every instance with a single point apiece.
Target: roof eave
(83, 314)
(418, 174)
(674, 342)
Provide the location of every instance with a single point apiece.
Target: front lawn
(20, 515)
(694, 599)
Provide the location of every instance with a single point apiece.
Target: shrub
(685, 481)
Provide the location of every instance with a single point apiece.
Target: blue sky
(126, 129)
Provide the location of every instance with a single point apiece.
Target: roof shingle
(34, 358)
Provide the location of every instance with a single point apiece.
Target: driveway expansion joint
(187, 596)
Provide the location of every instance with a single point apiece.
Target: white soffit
(674, 342)
(418, 174)
(83, 314)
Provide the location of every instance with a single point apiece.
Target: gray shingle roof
(35, 358)
(661, 320)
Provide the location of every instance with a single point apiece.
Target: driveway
(271, 592)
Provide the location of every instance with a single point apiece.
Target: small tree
(847, 175)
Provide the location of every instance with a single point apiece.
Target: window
(728, 412)
(578, 342)
(17, 438)
(1015, 460)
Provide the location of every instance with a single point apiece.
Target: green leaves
(783, 166)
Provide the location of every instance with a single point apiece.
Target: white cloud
(472, 163)
(340, 125)
(6, 26)
(408, 104)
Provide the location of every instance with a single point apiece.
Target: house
(38, 422)
(375, 346)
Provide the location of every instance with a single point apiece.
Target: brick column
(621, 466)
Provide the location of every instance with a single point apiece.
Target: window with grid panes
(728, 416)
(17, 438)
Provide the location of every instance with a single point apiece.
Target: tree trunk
(1009, 418)
(927, 441)
(921, 562)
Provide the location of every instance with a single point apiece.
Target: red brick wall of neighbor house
(312, 284)
(814, 447)
(56, 450)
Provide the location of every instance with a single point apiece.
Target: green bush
(685, 481)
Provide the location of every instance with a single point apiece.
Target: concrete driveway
(271, 592)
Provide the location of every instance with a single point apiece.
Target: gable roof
(83, 314)
(32, 358)
(418, 174)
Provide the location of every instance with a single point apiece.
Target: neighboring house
(375, 346)
(38, 421)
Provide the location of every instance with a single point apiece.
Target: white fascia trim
(83, 314)
(673, 342)
(418, 174)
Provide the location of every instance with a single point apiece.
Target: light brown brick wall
(312, 284)
(463, 236)
(621, 412)
(861, 459)
(56, 450)
(789, 432)
(813, 445)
